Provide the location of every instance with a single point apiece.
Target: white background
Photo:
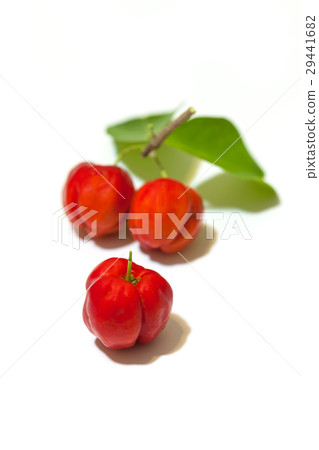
(215, 378)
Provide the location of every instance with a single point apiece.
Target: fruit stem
(129, 268)
(159, 164)
(127, 150)
(159, 138)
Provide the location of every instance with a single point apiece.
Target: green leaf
(137, 130)
(216, 140)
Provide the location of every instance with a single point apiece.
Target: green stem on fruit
(127, 150)
(150, 131)
(154, 155)
(163, 172)
(129, 268)
(129, 272)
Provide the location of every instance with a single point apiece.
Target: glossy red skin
(121, 314)
(162, 196)
(88, 187)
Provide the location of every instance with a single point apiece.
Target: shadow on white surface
(112, 241)
(227, 191)
(170, 340)
(199, 247)
(109, 241)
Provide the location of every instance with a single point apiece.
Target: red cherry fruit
(126, 303)
(105, 189)
(166, 201)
